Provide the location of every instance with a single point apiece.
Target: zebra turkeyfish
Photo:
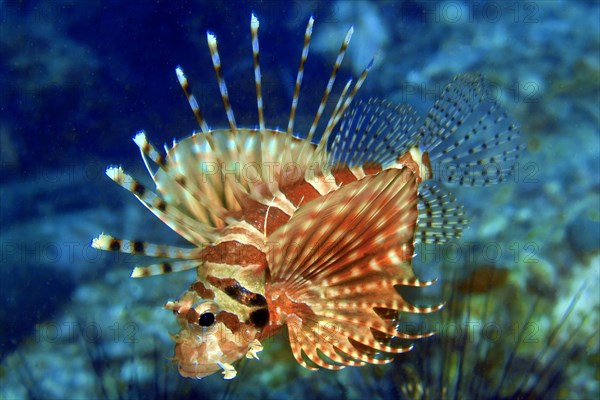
(313, 231)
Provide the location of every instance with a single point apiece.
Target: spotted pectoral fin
(335, 267)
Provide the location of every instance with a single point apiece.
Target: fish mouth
(202, 351)
(197, 371)
(193, 357)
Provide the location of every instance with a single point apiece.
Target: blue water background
(79, 79)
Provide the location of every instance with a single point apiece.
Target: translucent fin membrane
(441, 218)
(469, 138)
(374, 132)
(185, 225)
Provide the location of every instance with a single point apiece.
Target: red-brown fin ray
(304, 341)
(441, 218)
(312, 350)
(469, 138)
(337, 243)
(339, 259)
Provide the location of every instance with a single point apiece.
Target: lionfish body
(315, 235)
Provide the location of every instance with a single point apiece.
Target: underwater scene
(355, 199)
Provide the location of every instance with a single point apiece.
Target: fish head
(211, 338)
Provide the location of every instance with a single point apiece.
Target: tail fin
(470, 140)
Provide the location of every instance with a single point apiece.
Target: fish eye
(206, 319)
